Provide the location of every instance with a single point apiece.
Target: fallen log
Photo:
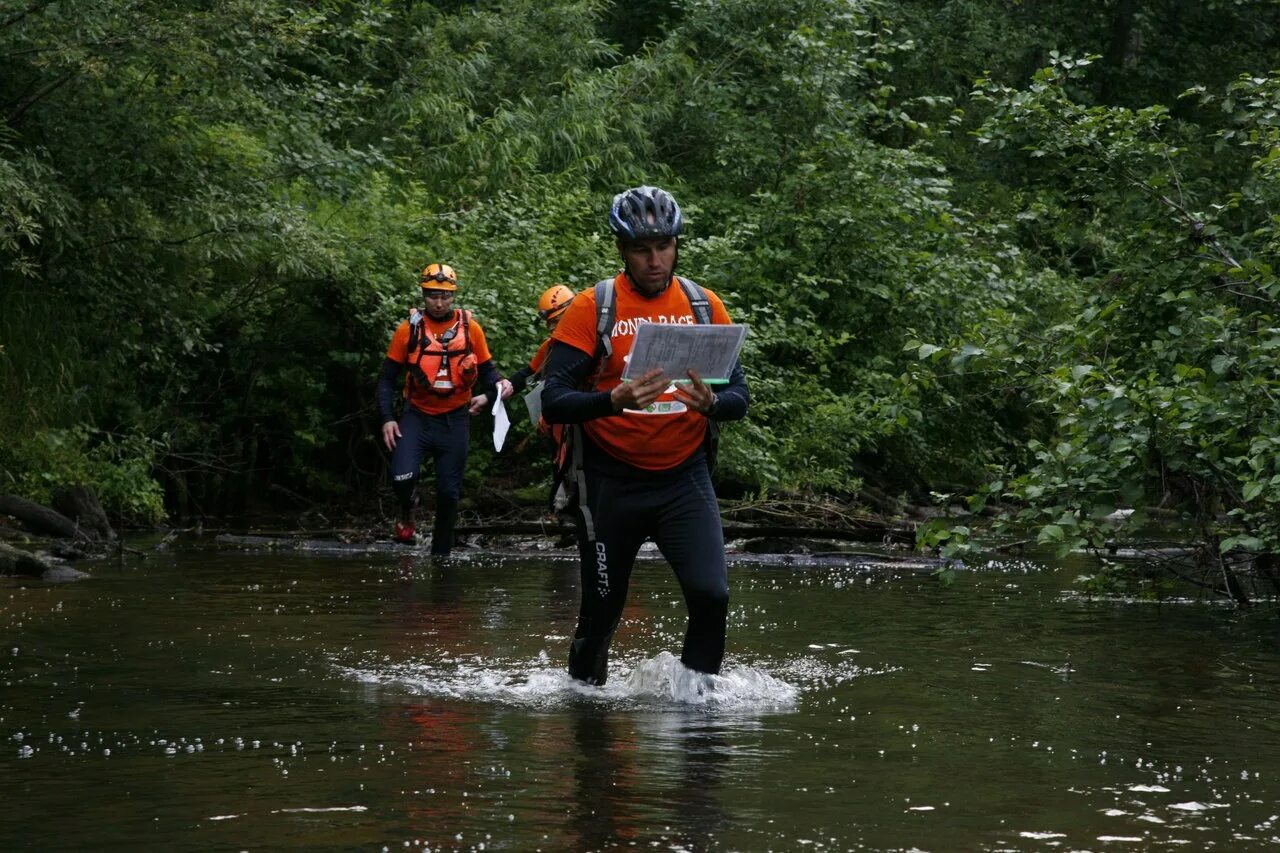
(871, 533)
(39, 519)
(880, 533)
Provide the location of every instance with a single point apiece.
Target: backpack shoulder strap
(606, 314)
(465, 321)
(415, 328)
(697, 300)
(701, 306)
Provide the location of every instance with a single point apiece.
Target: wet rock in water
(62, 574)
(15, 561)
(782, 545)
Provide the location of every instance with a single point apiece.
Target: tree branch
(52, 86)
(15, 19)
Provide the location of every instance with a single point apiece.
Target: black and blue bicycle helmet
(643, 213)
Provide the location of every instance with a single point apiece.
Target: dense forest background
(1007, 254)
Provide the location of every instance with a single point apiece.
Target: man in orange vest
(451, 375)
(644, 462)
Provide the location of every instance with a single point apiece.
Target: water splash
(665, 678)
(659, 682)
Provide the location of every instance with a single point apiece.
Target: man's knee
(403, 484)
(709, 595)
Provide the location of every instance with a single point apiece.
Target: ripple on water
(660, 681)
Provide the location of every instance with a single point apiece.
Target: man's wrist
(613, 401)
(715, 404)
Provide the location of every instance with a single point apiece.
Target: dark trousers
(445, 438)
(679, 512)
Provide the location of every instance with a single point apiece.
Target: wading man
(642, 445)
(451, 376)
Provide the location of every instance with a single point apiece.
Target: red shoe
(403, 533)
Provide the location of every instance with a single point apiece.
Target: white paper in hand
(501, 423)
(533, 401)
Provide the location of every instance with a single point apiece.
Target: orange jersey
(539, 359)
(669, 432)
(421, 398)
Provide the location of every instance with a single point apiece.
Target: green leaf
(1050, 533)
(1247, 543)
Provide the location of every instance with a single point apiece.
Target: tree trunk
(1266, 566)
(39, 519)
(1122, 51)
(80, 504)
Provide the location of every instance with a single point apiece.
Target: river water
(208, 699)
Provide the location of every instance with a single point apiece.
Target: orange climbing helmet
(439, 277)
(554, 301)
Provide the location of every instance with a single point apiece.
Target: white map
(709, 349)
(533, 401)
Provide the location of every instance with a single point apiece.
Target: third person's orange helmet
(553, 302)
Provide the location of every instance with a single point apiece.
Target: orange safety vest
(441, 364)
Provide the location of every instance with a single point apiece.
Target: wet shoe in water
(403, 533)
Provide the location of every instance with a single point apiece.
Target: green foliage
(119, 468)
(1159, 375)
(1147, 51)
(835, 248)
(212, 215)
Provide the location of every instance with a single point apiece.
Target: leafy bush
(120, 468)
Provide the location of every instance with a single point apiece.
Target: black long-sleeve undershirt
(520, 378)
(387, 388)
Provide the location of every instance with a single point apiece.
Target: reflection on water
(210, 700)
(608, 807)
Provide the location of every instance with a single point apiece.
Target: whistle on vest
(467, 372)
(443, 382)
